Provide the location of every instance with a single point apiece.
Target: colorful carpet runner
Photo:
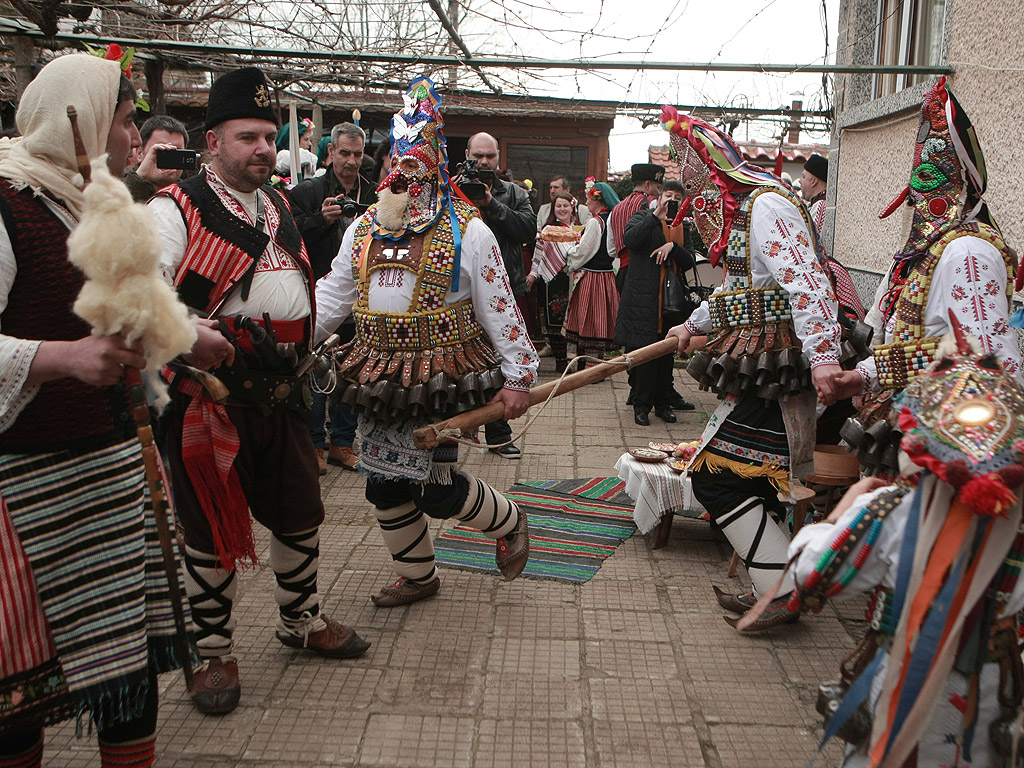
(574, 526)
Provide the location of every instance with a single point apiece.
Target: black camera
(673, 210)
(177, 159)
(349, 207)
(474, 182)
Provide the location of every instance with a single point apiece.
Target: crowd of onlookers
(588, 268)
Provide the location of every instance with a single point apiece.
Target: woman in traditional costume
(553, 242)
(590, 319)
(937, 680)
(85, 612)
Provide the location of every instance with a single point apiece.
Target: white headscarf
(44, 158)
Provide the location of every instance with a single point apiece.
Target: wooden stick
(427, 437)
(158, 499)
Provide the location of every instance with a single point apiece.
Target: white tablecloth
(656, 489)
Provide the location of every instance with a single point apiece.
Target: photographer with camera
(506, 210)
(160, 132)
(323, 207)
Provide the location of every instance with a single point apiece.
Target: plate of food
(677, 464)
(663, 447)
(647, 454)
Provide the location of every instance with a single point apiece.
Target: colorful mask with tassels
(418, 147)
(963, 420)
(948, 179)
(712, 172)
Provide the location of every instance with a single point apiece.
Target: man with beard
(774, 339)
(560, 185)
(437, 331)
(231, 247)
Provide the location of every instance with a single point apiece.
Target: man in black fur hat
(233, 251)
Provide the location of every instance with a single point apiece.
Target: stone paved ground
(635, 668)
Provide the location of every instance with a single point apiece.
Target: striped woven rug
(574, 526)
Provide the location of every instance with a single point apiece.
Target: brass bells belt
(763, 360)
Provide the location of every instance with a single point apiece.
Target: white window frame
(908, 14)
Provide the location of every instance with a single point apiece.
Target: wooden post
(426, 437)
(24, 62)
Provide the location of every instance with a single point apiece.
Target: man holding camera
(324, 207)
(506, 210)
(160, 132)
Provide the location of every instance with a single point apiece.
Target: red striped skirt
(590, 320)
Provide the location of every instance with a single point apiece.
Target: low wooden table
(659, 493)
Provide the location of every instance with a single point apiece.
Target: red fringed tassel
(140, 753)
(209, 445)
(987, 495)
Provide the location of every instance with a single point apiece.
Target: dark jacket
(141, 189)
(637, 323)
(323, 240)
(511, 219)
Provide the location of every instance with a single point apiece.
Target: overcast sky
(740, 31)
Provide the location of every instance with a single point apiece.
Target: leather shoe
(342, 456)
(513, 551)
(404, 592)
(775, 614)
(507, 451)
(215, 688)
(664, 412)
(641, 415)
(335, 641)
(679, 404)
(733, 602)
(321, 461)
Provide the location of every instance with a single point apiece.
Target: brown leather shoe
(335, 641)
(321, 462)
(775, 614)
(511, 557)
(215, 688)
(733, 602)
(403, 592)
(342, 456)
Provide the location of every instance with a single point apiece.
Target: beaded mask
(948, 178)
(713, 173)
(963, 420)
(418, 146)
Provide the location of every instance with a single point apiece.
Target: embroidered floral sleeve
(780, 239)
(496, 308)
(970, 279)
(699, 322)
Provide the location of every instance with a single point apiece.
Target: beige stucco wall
(876, 158)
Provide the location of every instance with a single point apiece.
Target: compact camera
(349, 207)
(177, 159)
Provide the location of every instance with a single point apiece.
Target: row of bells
(441, 397)
(877, 445)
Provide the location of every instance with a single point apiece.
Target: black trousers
(435, 500)
(722, 492)
(652, 382)
(498, 431)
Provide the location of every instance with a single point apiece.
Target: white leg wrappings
(760, 543)
(487, 510)
(407, 538)
(211, 592)
(295, 558)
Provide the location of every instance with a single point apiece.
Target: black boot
(664, 412)
(641, 415)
